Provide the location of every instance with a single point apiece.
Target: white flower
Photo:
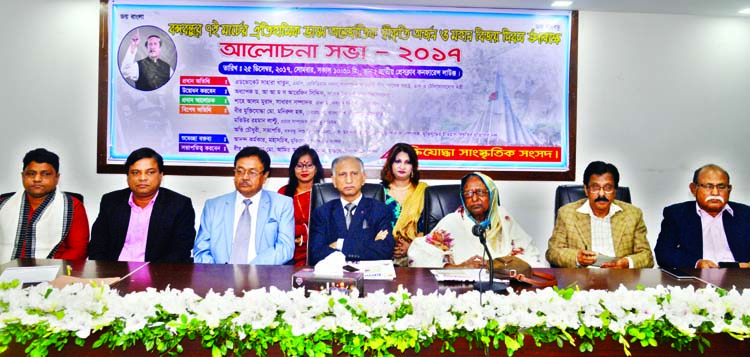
(82, 309)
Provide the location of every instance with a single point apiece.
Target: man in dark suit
(358, 226)
(144, 222)
(709, 230)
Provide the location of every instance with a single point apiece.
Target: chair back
(565, 194)
(439, 201)
(325, 191)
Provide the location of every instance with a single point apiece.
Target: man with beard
(150, 72)
(709, 230)
(599, 230)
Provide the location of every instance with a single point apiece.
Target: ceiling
(686, 7)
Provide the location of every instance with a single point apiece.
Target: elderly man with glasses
(356, 226)
(249, 225)
(599, 230)
(706, 233)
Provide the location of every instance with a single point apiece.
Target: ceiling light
(561, 3)
(745, 11)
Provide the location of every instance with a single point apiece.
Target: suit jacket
(680, 242)
(274, 231)
(573, 233)
(171, 229)
(328, 224)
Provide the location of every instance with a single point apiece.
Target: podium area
(204, 277)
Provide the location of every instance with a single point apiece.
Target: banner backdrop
(471, 89)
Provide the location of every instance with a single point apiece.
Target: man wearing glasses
(708, 232)
(356, 226)
(599, 230)
(249, 225)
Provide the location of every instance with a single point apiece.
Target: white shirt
(239, 206)
(601, 231)
(715, 244)
(355, 202)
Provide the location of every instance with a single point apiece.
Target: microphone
(498, 288)
(479, 231)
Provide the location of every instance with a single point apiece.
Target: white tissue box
(346, 282)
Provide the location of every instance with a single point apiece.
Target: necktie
(242, 236)
(349, 210)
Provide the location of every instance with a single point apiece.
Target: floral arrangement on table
(43, 318)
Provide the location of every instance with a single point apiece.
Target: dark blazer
(171, 229)
(680, 242)
(328, 224)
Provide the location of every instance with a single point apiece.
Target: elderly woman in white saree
(451, 243)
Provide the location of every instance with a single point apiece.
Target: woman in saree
(404, 195)
(305, 170)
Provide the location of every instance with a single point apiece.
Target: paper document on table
(601, 259)
(376, 269)
(462, 275)
(31, 274)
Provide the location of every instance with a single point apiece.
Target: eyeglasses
(597, 188)
(301, 166)
(242, 173)
(710, 186)
(480, 193)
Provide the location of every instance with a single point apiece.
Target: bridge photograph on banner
(470, 89)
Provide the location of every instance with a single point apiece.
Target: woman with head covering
(404, 195)
(305, 170)
(451, 244)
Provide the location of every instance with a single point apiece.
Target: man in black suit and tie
(144, 222)
(358, 226)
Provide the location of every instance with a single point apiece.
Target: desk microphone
(497, 288)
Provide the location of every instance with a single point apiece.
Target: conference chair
(74, 194)
(565, 194)
(439, 200)
(324, 192)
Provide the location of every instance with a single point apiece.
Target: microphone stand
(491, 285)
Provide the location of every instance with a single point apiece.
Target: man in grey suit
(249, 225)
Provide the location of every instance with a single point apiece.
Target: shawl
(43, 233)
(492, 222)
(411, 212)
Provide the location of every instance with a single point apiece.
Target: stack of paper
(462, 275)
(376, 269)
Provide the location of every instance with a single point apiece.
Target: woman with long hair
(404, 194)
(305, 170)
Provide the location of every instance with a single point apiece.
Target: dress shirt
(715, 244)
(355, 202)
(601, 231)
(239, 206)
(134, 249)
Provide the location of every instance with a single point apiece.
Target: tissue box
(346, 283)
